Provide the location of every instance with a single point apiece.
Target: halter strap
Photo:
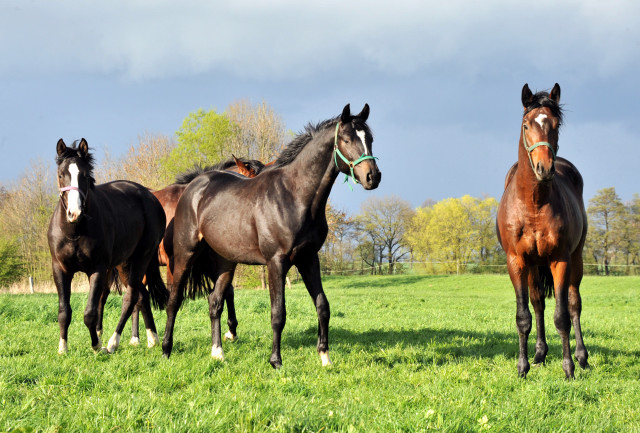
(529, 149)
(72, 188)
(351, 164)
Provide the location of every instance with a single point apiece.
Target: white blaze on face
(362, 137)
(74, 205)
(540, 119)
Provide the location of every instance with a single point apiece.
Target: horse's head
(540, 124)
(75, 177)
(353, 148)
(248, 168)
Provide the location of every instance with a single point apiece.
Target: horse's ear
(527, 96)
(61, 147)
(83, 148)
(241, 165)
(555, 93)
(346, 114)
(364, 114)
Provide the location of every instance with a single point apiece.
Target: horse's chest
(538, 238)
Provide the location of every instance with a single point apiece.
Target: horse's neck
(529, 189)
(313, 173)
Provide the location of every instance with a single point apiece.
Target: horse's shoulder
(569, 171)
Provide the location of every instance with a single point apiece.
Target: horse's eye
(525, 126)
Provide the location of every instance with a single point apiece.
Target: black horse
(277, 218)
(100, 229)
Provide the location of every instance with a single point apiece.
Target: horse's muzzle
(545, 174)
(372, 179)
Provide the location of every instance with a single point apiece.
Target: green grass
(410, 353)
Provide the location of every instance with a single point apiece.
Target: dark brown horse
(277, 218)
(168, 198)
(542, 226)
(100, 229)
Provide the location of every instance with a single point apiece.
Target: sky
(443, 80)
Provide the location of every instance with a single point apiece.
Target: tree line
(453, 235)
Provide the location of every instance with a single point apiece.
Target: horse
(98, 230)
(276, 219)
(168, 198)
(542, 226)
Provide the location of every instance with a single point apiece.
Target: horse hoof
(134, 341)
(568, 366)
(324, 357)
(114, 342)
(62, 347)
(228, 336)
(152, 339)
(165, 355)
(217, 353)
(539, 359)
(276, 362)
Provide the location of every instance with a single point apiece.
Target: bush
(12, 266)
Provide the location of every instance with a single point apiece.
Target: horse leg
(135, 322)
(128, 302)
(561, 273)
(97, 283)
(519, 275)
(232, 320)
(63, 285)
(536, 294)
(144, 305)
(103, 302)
(277, 267)
(177, 276)
(310, 272)
(575, 307)
(216, 304)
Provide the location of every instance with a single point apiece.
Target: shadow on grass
(443, 344)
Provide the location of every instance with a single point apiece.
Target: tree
(385, 220)
(143, 163)
(607, 217)
(455, 231)
(259, 131)
(203, 139)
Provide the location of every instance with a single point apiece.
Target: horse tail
(113, 281)
(546, 281)
(200, 281)
(155, 284)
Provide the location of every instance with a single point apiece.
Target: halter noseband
(351, 164)
(72, 188)
(529, 149)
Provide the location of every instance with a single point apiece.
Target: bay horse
(276, 219)
(168, 198)
(100, 229)
(542, 226)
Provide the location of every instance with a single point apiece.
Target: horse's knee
(523, 321)
(91, 319)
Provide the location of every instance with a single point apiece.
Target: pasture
(410, 353)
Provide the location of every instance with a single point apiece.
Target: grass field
(410, 353)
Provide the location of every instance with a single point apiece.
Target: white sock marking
(134, 341)
(217, 353)
(114, 342)
(62, 347)
(324, 356)
(152, 339)
(229, 336)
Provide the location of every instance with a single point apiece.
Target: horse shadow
(430, 346)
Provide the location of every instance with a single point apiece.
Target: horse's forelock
(542, 99)
(73, 153)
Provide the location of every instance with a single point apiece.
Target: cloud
(282, 40)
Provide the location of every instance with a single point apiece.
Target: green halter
(529, 149)
(351, 164)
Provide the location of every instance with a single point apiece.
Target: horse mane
(293, 149)
(542, 99)
(73, 152)
(197, 170)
